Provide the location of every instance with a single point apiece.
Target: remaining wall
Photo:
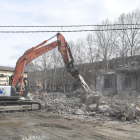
(106, 88)
(133, 82)
(118, 82)
(138, 83)
(128, 82)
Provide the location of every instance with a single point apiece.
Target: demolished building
(123, 81)
(121, 78)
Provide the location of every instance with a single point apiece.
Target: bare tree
(105, 42)
(33, 73)
(128, 40)
(92, 54)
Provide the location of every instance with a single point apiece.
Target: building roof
(8, 69)
(106, 72)
(133, 67)
(130, 68)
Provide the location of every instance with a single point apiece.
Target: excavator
(13, 96)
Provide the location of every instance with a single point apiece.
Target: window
(107, 83)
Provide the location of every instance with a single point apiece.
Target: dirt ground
(39, 125)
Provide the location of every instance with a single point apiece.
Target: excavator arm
(69, 62)
(38, 50)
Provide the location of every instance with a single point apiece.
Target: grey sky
(52, 12)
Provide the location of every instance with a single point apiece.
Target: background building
(5, 72)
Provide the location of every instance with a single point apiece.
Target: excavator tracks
(19, 106)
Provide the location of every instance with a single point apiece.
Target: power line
(65, 31)
(74, 25)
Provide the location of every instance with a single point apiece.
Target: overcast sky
(52, 12)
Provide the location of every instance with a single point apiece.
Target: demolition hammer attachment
(75, 73)
(69, 62)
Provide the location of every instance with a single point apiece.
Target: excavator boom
(36, 51)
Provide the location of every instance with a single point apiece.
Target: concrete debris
(103, 108)
(125, 105)
(123, 119)
(79, 112)
(92, 114)
(93, 99)
(91, 107)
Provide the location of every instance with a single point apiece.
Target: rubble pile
(124, 105)
(60, 103)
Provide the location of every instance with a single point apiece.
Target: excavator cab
(8, 92)
(25, 86)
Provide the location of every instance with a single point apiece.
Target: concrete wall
(134, 82)
(120, 80)
(118, 83)
(101, 84)
(138, 83)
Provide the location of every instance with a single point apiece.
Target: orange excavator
(13, 98)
